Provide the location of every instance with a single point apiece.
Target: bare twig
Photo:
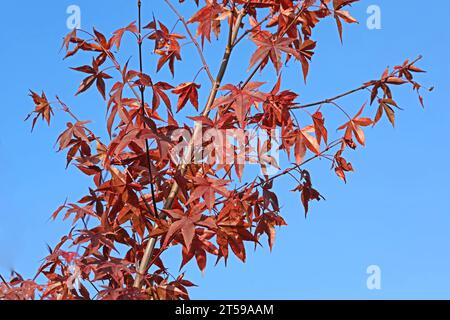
(363, 87)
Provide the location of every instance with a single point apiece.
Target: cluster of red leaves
(166, 45)
(43, 108)
(142, 200)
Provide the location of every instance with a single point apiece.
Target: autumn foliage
(145, 199)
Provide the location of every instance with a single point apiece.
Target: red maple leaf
(42, 109)
(188, 92)
(308, 193)
(353, 127)
(96, 75)
(208, 20)
(207, 188)
(241, 100)
(270, 47)
(118, 34)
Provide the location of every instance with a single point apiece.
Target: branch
(232, 41)
(142, 90)
(255, 70)
(138, 279)
(285, 172)
(194, 41)
(363, 87)
(114, 61)
(289, 170)
(330, 100)
(234, 30)
(252, 29)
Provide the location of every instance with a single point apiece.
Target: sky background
(393, 213)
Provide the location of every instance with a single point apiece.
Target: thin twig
(363, 87)
(194, 41)
(252, 29)
(5, 282)
(285, 172)
(138, 279)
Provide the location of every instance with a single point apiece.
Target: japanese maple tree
(159, 182)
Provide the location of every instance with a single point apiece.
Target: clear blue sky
(394, 212)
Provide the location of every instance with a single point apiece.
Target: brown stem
(328, 148)
(147, 146)
(330, 100)
(142, 90)
(363, 87)
(5, 282)
(252, 29)
(287, 171)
